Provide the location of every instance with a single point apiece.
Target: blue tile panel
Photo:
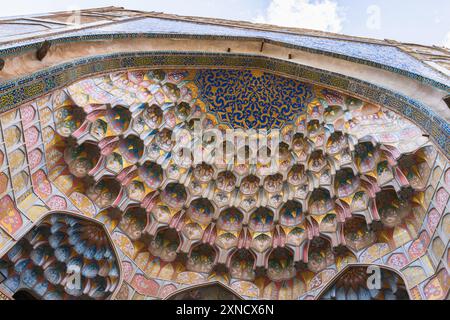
(268, 100)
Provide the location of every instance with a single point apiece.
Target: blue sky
(419, 21)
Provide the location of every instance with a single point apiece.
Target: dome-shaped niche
(242, 265)
(165, 245)
(297, 176)
(153, 116)
(201, 259)
(335, 143)
(68, 116)
(320, 255)
(174, 195)
(291, 214)
(317, 161)
(171, 91)
(353, 283)
(229, 224)
(416, 169)
(163, 140)
(261, 220)
(182, 111)
(332, 113)
(314, 128)
(201, 211)
(226, 181)
(118, 119)
(357, 234)
(250, 185)
(281, 265)
(134, 222)
(391, 207)
(273, 183)
(300, 146)
(320, 202)
(131, 148)
(63, 257)
(104, 192)
(81, 159)
(230, 220)
(345, 182)
(152, 174)
(366, 156)
(203, 172)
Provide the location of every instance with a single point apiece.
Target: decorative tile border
(16, 92)
(438, 81)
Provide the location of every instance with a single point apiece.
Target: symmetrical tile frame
(438, 81)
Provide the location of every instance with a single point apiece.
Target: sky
(418, 21)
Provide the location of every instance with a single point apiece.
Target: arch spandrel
(109, 154)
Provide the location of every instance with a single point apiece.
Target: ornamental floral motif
(253, 99)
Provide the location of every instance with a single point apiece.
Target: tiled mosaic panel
(14, 177)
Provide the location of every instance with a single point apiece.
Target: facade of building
(101, 196)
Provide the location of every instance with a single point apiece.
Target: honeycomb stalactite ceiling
(350, 175)
(42, 260)
(339, 158)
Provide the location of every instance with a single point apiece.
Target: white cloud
(447, 40)
(321, 15)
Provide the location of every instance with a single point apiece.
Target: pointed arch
(393, 285)
(207, 291)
